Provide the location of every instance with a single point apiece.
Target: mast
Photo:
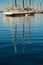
(23, 3)
(40, 5)
(15, 3)
(26, 3)
(30, 3)
(37, 5)
(12, 4)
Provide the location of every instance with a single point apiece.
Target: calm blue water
(21, 40)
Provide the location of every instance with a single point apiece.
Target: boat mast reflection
(23, 33)
(27, 23)
(29, 31)
(15, 38)
(13, 23)
(13, 28)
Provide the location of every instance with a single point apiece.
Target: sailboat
(16, 11)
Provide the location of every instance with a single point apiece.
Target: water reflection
(10, 21)
(23, 32)
(15, 38)
(29, 34)
(25, 29)
(26, 35)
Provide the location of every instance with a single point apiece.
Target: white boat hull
(13, 13)
(7, 13)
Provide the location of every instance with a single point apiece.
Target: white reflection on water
(15, 48)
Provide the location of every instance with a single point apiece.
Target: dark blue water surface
(21, 40)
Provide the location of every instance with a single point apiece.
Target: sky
(4, 3)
